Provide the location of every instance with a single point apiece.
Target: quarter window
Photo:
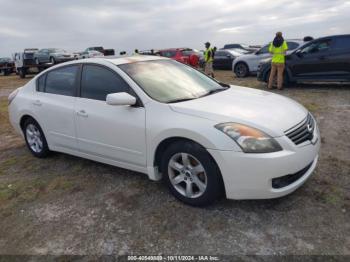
(97, 82)
(41, 83)
(62, 81)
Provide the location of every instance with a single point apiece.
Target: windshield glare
(168, 81)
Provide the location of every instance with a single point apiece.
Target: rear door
(220, 59)
(341, 57)
(54, 106)
(105, 131)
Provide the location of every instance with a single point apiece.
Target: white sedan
(167, 120)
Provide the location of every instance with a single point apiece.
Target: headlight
(251, 140)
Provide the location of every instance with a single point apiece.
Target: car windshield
(169, 81)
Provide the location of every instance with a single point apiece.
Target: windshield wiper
(181, 100)
(214, 91)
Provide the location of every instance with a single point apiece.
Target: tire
(241, 69)
(37, 61)
(6, 72)
(191, 174)
(35, 139)
(22, 73)
(52, 60)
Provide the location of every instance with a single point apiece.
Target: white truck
(25, 64)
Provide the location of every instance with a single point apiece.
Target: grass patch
(312, 107)
(30, 190)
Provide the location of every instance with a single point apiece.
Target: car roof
(120, 60)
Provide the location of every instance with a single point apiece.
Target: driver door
(110, 132)
(314, 60)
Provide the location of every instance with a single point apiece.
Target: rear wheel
(35, 138)
(52, 60)
(191, 174)
(241, 69)
(37, 61)
(22, 72)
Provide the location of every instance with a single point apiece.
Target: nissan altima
(156, 116)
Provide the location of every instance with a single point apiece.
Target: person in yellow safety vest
(208, 59)
(278, 49)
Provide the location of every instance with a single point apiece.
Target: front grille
(303, 131)
(284, 181)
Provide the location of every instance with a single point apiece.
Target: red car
(184, 55)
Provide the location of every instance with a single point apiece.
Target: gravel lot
(67, 205)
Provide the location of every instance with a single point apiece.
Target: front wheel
(52, 60)
(35, 138)
(191, 174)
(241, 70)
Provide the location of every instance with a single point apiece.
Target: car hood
(266, 111)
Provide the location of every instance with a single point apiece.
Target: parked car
(53, 56)
(241, 46)
(248, 64)
(105, 52)
(323, 59)
(223, 58)
(160, 117)
(7, 66)
(149, 52)
(24, 62)
(184, 55)
(88, 54)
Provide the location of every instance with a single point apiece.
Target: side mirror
(299, 53)
(120, 99)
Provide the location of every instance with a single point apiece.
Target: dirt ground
(67, 205)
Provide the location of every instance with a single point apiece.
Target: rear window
(61, 81)
(343, 42)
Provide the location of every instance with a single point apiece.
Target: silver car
(52, 55)
(247, 64)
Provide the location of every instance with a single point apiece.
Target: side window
(62, 81)
(343, 42)
(168, 53)
(292, 45)
(264, 50)
(97, 82)
(40, 84)
(220, 53)
(318, 46)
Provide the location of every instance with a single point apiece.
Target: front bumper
(249, 176)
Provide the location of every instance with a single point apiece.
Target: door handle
(37, 103)
(82, 113)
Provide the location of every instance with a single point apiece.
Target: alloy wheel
(241, 70)
(187, 175)
(34, 138)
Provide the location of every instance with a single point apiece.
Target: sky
(127, 24)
